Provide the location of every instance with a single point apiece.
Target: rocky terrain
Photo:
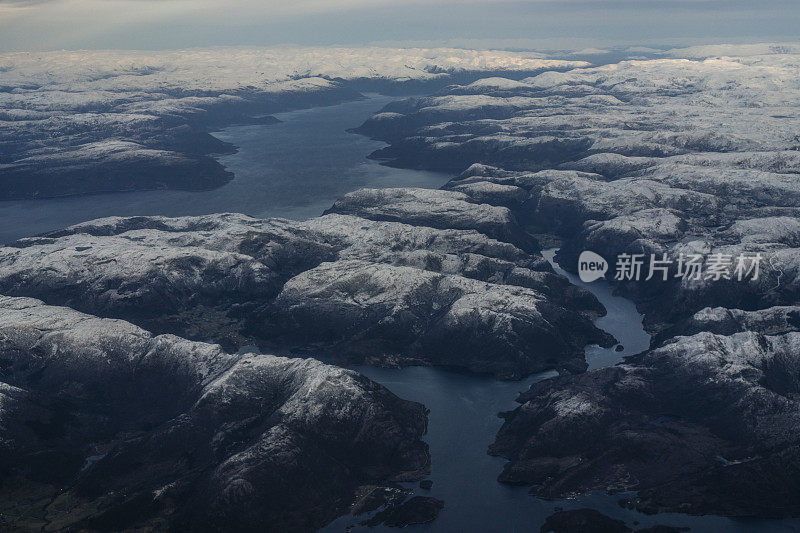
(392, 276)
(660, 156)
(591, 521)
(703, 424)
(671, 156)
(668, 156)
(98, 121)
(692, 153)
(108, 427)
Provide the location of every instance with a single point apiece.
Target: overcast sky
(164, 24)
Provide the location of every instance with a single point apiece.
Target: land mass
(107, 427)
(389, 276)
(671, 157)
(696, 152)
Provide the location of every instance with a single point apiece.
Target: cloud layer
(163, 24)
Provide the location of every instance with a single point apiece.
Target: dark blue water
(295, 169)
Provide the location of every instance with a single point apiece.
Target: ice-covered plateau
(694, 153)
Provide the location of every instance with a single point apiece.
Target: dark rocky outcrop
(704, 424)
(591, 521)
(415, 510)
(584, 520)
